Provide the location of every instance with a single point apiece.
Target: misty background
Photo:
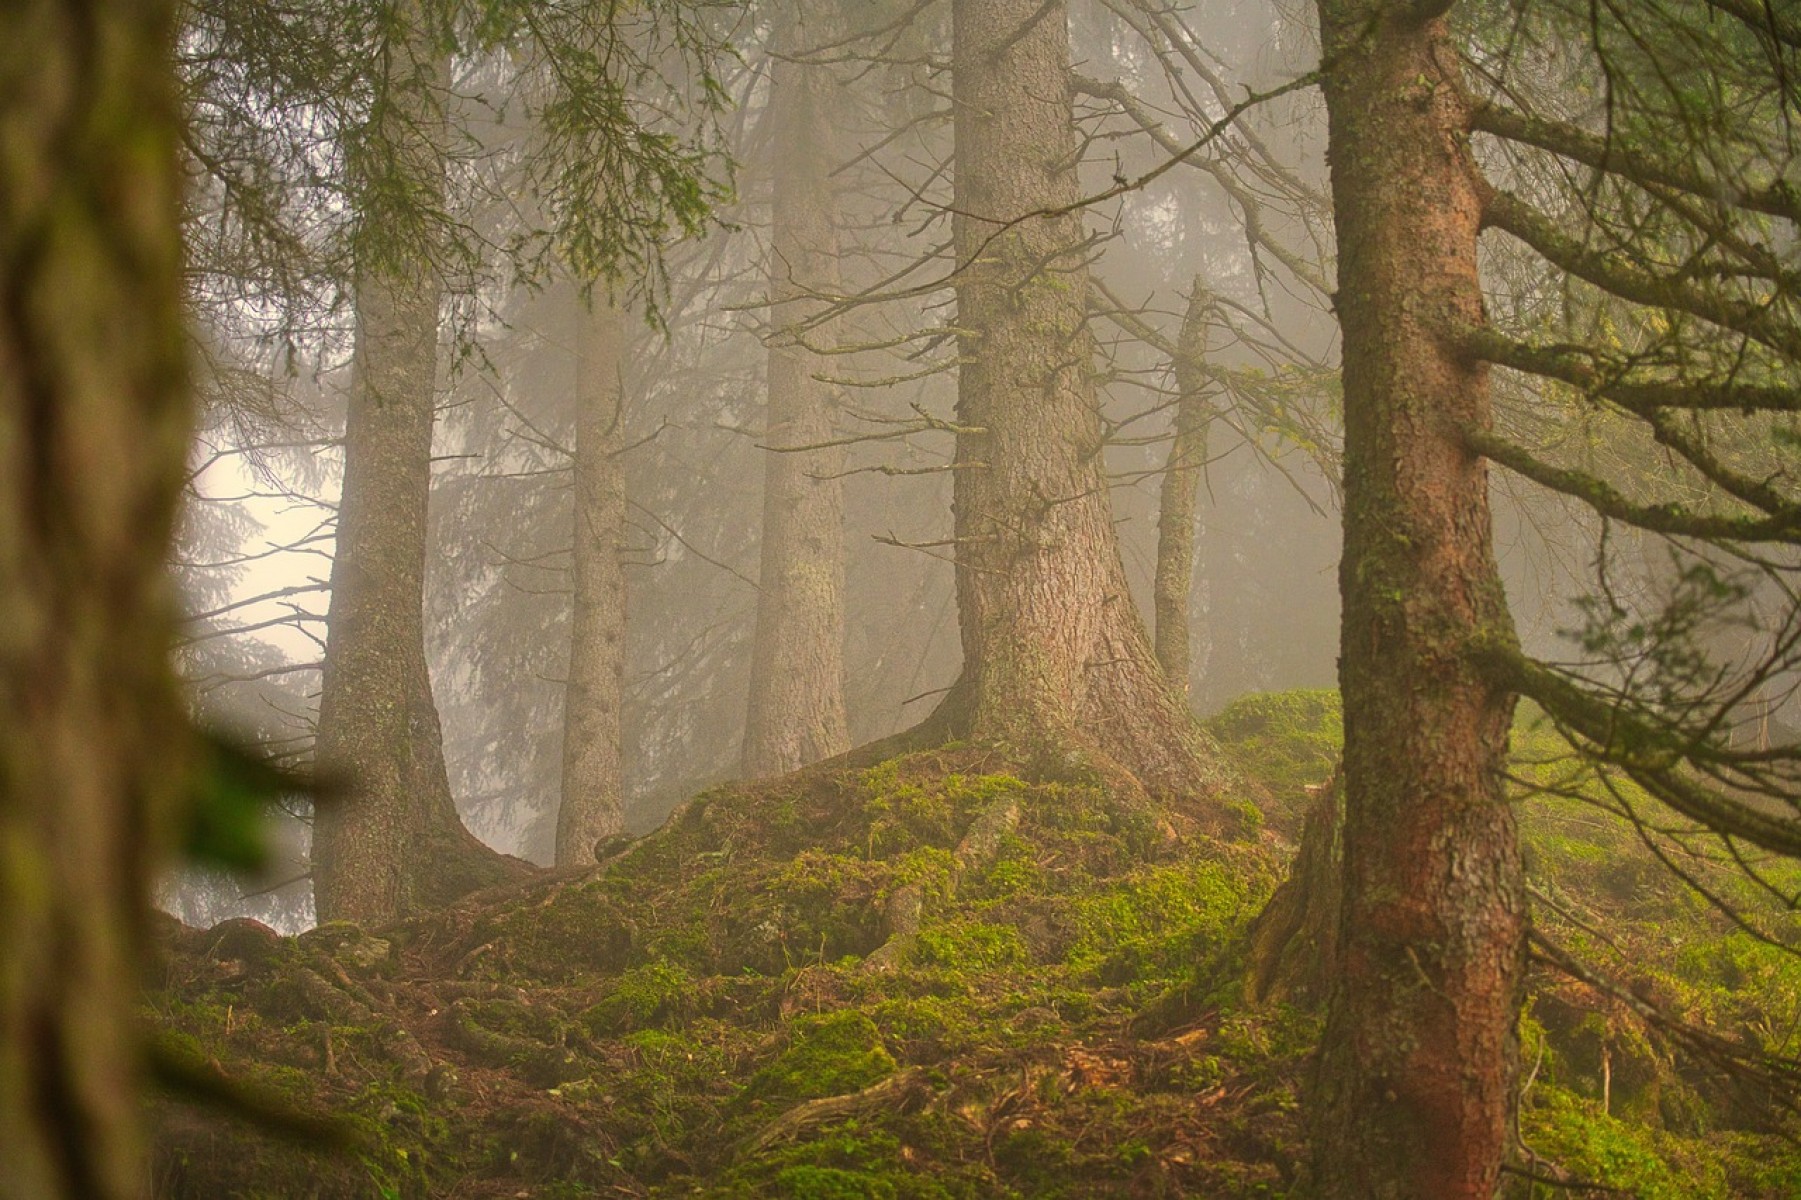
(1230, 245)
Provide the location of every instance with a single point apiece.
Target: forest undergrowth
(941, 976)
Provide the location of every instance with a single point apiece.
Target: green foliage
(322, 137)
(235, 786)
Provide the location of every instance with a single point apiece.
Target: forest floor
(934, 978)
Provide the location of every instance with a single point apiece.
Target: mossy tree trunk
(593, 800)
(1055, 654)
(1173, 584)
(395, 845)
(797, 712)
(94, 427)
(1417, 1066)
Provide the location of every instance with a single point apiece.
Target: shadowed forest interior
(908, 599)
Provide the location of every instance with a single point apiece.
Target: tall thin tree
(396, 845)
(593, 794)
(797, 713)
(1173, 582)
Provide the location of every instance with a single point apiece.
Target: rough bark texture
(1055, 654)
(93, 436)
(1174, 581)
(1292, 946)
(593, 804)
(797, 713)
(395, 845)
(1417, 1064)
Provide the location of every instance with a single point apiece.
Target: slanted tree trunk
(593, 804)
(1056, 658)
(797, 713)
(395, 845)
(94, 427)
(1417, 1066)
(1174, 580)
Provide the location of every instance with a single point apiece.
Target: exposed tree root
(906, 904)
(898, 1092)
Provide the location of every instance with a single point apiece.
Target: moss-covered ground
(930, 978)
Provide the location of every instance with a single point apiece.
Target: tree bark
(1417, 1065)
(94, 425)
(1174, 580)
(797, 712)
(1056, 657)
(1291, 952)
(395, 845)
(593, 803)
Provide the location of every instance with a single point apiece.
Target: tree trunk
(94, 426)
(395, 845)
(1056, 658)
(1292, 947)
(1417, 1065)
(1174, 580)
(593, 805)
(797, 713)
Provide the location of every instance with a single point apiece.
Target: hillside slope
(929, 978)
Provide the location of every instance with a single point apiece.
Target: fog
(1232, 227)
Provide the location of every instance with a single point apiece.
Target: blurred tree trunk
(395, 845)
(1173, 583)
(1056, 658)
(94, 428)
(797, 713)
(1416, 1075)
(593, 804)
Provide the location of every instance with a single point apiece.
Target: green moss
(965, 946)
(1067, 999)
(906, 810)
(1036, 1161)
(1737, 977)
(831, 1183)
(925, 1027)
(667, 1085)
(655, 992)
(587, 930)
(816, 907)
(1159, 921)
(931, 869)
(1012, 873)
(852, 1159)
(1285, 740)
(1602, 1149)
(827, 1055)
(1763, 1167)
